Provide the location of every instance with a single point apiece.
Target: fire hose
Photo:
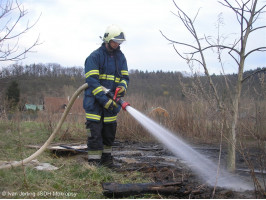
(62, 119)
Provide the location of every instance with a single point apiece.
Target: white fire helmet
(114, 33)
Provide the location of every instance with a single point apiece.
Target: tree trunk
(244, 38)
(231, 161)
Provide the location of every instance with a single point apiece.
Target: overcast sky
(69, 31)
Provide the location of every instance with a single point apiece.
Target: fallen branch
(121, 190)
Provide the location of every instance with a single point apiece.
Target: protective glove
(110, 105)
(116, 110)
(121, 92)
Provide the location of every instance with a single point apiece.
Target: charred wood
(117, 190)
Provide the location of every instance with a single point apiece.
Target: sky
(69, 31)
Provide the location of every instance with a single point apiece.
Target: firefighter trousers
(101, 137)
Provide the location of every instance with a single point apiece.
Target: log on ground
(123, 190)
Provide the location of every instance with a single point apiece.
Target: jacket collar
(108, 52)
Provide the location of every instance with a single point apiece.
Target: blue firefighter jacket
(103, 68)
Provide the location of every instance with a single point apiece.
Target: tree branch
(256, 72)
(181, 43)
(254, 50)
(9, 33)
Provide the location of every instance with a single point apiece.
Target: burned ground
(159, 165)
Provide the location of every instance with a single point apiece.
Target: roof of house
(58, 104)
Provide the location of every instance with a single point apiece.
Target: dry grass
(193, 120)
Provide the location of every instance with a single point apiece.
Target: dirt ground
(161, 166)
(157, 163)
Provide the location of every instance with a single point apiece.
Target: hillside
(37, 81)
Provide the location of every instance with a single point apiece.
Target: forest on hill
(39, 80)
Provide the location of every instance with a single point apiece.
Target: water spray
(199, 163)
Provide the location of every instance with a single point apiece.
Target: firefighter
(106, 66)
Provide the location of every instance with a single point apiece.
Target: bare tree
(12, 29)
(11, 15)
(247, 13)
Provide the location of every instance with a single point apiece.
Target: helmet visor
(119, 39)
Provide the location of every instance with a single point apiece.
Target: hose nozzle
(120, 101)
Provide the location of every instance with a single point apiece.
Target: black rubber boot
(95, 162)
(107, 160)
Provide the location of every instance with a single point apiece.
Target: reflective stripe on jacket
(108, 70)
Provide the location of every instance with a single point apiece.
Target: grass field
(71, 180)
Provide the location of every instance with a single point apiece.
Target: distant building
(59, 104)
(33, 107)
